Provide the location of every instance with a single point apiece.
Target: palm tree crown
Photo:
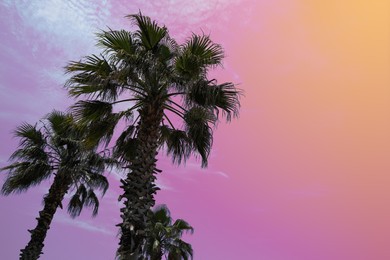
(55, 147)
(164, 237)
(170, 101)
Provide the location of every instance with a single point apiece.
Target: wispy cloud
(164, 185)
(220, 173)
(189, 172)
(82, 225)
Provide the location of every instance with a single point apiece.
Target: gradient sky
(304, 174)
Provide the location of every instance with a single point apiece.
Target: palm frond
(125, 147)
(94, 77)
(178, 144)
(149, 32)
(60, 122)
(30, 135)
(23, 175)
(101, 131)
(92, 66)
(75, 206)
(120, 42)
(197, 121)
(30, 154)
(187, 66)
(77, 201)
(93, 202)
(181, 225)
(168, 49)
(224, 97)
(207, 52)
(89, 111)
(162, 215)
(180, 250)
(97, 182)
(93, 162)
(197, 54)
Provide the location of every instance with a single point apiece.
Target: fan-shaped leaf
(148, 31)
(197, 121)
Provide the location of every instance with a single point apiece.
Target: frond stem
(124, 100)
(169, 121)
(173, 102)
(175, 111)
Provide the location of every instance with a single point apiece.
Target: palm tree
(164, 238)
(55, 147)
(165, 99)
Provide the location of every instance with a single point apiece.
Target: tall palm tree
(161, 90)
(164, 238)
(55, 147)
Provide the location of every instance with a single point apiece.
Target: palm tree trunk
(157, 256)
(51, 202)
(139, 187)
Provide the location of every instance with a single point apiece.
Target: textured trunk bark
(158, 256)
(139, 187)
(51, 202)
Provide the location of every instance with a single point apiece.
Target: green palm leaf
(178, 144)
(94, 78)
(206, 51)
(93, 202)
(60, 122)
(29, 135)
(197, 55)
(224, 97)
(77, 201)
(120, 43)
(126, 145)
(23, 175)
(197, 121)
(89, 111)
(148, 31)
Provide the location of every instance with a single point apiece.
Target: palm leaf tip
(98, 181)
(197, 121)
(178, 144)
(204, 48)
(23, 175)
(197, 55)
(91, 110)
(29, 135)
(93, 202)
(149, 32)
(75, 206)
(61, 123)
(224, 97)
(81, 198)
(120, 42)
(228, 100)
(97, 119)
(93, 77)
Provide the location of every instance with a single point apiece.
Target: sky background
(303, 174)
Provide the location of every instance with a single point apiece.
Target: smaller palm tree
(164, 238)
(55, 147)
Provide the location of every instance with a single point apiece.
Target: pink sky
(304, 174)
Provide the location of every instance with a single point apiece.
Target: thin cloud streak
(82, 225)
